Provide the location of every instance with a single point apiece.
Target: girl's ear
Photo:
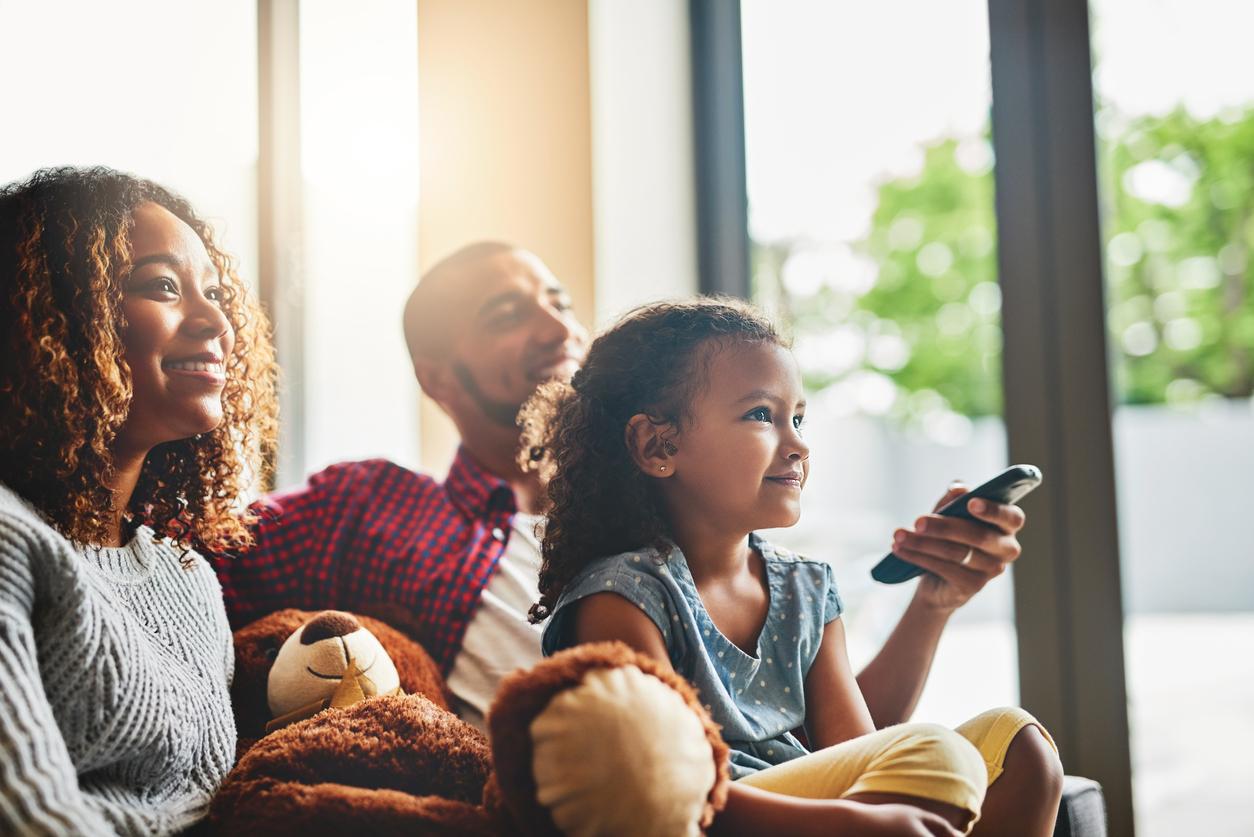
(650, 444)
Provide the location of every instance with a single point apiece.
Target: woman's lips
(211, 372)
(790, 480)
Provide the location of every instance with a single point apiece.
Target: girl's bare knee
(1031, 757)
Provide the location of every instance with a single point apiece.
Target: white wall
(642, 155)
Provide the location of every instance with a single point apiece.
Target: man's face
(518, 331)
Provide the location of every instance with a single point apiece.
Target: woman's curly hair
(65, 388)
(652, 362)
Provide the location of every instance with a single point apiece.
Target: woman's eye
(760, 414)
(165, 286)
(798, 422)
(214, 294)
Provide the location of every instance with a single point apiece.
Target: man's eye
(505, 317)
(759, 414)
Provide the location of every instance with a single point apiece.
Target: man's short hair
(426, 317)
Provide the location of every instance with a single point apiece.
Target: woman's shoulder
(21, 526)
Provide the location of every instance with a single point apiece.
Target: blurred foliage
(1178, 225)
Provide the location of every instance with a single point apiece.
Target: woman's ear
(651, 446)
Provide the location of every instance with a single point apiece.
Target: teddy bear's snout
(329, 624)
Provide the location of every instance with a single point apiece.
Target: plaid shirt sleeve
(290, 526)
(370, 537)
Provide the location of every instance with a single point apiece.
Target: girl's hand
(891, 821)
(961, 556)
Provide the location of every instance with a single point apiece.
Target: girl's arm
(606, 617)
(835, 708)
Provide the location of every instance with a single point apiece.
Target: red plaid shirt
(374, 533)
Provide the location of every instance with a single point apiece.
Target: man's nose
(558, 326)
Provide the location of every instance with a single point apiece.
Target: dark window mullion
(722, 201)
(1068, 603)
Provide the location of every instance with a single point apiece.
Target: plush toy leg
(357, 770)
(294, 809)
(622, 755)
(598, 740)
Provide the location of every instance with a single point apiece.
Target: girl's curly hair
(654, 362)
(65, 389)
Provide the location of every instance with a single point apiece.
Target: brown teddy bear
(596, 740)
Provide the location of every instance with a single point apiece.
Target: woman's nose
(206, 319)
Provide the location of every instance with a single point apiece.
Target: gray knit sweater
(115, 665)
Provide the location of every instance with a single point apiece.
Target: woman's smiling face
(176, 340)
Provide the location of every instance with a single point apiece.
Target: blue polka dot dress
(757, 700)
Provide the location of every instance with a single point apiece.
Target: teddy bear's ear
(566, 745)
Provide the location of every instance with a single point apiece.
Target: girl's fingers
(956, 490)
(941, 548)
(967, 534)
(952, 572)
(1009, 519)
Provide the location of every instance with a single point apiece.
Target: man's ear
(651, 445)
(436, 379)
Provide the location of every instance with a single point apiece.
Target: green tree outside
(1178, 225)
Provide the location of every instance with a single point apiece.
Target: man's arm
(894, 680)
(289, 533)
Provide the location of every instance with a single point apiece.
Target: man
(457, 562)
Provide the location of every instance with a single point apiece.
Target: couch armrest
(1082, 812)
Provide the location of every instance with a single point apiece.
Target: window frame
(1068, 598)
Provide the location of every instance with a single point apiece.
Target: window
(1175, 126)
(873, 236)
(359, 144)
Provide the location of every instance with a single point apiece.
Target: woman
(136, 402)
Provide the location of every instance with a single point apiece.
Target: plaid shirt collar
(475, 491)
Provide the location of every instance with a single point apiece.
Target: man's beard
(499, 412)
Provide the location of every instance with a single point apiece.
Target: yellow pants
(923, 760)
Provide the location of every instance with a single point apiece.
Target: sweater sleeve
(39, 790)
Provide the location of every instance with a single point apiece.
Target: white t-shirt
(499, 638)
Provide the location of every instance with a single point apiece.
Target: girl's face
(741, 462)
(177, 339)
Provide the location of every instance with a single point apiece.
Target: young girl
(679, 438)
(136, 401)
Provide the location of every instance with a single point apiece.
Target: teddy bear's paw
(293, 809)
(402, 743)
(600, 740)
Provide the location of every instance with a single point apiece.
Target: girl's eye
(798, 422)
(759, 414)
(214, 294)
(165, 286)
